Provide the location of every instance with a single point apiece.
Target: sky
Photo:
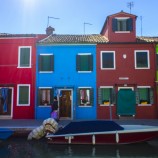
(69, 16)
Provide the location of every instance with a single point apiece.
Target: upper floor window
(24, 57)
(122, 24)
(23, 96)
(107, 60)
(84, 62)
(142, 59)
(46, 63)
(85, 96)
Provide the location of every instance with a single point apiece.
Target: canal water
(21, 148)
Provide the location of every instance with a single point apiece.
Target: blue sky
(31, 16)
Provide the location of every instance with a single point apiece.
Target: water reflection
(21, 148)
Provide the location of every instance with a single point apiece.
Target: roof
(3, 35)
(74, 39)
(147, 39)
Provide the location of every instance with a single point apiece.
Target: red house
(125, 71)
(17, 79)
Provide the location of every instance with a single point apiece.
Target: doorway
(126, 101)
(65, 104)
(6, 95)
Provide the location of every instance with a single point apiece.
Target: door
(65, 104)
(5, 102)
(126, 102)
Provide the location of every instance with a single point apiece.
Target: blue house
(66, 68)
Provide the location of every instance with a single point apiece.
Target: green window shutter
(90, 62)
(91, 96)
(77, 62)
(99, 96)
(24, 57)
(137, 96)
(51, 95)
(78, 97)
(39, 62)
(52, 62)
(114, 24)
(39, 97)
(130, 24)
(151, 96)
(113, 96)
(23, 95)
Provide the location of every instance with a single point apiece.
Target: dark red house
(125, 71)
(17, 79)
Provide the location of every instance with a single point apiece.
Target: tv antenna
(130, 5)
(86, 23)
(50, 17)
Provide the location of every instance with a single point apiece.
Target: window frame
(135, 59)
(18, 92)
(90, 97)
(107, 87)
(19, 55)
(127, 25)
(51, 97)
(143, 87)
(42, 54)
(84, 54)
(114, 60)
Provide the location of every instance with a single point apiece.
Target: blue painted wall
(65, 75)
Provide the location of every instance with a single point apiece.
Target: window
(107, 60)
(46, 63)
(23, 95)
(106, 95)
(45, 96)
(142, 59)
(144, 95)
(84, 62)
(122, 24)
(85, 96)
(24, 57)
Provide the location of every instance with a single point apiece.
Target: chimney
(49, 30)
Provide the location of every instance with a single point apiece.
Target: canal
(21, 148)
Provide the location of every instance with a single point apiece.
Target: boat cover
(89, 127)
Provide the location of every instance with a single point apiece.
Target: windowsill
(108, 68)
(144, 104)
(122, 31)
(84, 106)
(24, 67)
(142, 68)
(23, 105)
(84, 71)
(45, 72)
(43, 106)
(106, 104)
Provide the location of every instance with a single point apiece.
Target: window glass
(24, 57)
(45, 97)
(122, 25)
(23, 95)
(142, 60)
(85, 96)
(144, 95)
(108, 60)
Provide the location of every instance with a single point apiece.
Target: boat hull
(119, 138)
(5, 133)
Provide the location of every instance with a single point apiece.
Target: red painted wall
(126, 68)
(119, 37)
(13, 76)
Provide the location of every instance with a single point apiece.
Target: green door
(126, 102)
